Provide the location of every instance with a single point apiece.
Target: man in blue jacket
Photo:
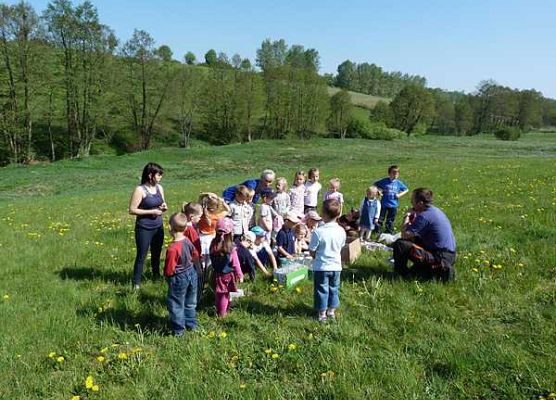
(267, 177)
(427, 240)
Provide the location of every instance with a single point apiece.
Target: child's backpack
(277, 222)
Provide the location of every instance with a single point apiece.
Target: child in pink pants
(225, 263)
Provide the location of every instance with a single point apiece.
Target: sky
(455, 44)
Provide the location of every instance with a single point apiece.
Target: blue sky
(453, 43)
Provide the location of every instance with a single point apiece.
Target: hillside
(360, 99)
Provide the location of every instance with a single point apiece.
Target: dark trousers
(388, 214)
(145, 238)
(438, 264)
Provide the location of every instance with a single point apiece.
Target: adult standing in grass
(147, 203)
(258, 185)
(427, 240)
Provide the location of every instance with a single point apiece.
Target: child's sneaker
(321, 319)
(331, 315)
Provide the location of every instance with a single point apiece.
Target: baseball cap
(225, 225)
(258, 231)
(313, 215)
(291, 217)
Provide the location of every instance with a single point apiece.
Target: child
(267, 212)
(225, 263)
(369, 212)
(253, 205)
(246, 260)
(325, 247)
(312, 189)
(181, 277)
(297, 193)
(392, 189)
(281, 202)
(333, 192)
(285, 239)
(214, 208)
(262, 252)
(240, 211)
(301, 232)
(193, 213)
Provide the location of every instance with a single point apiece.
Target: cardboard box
(291, 275)
(351, 251)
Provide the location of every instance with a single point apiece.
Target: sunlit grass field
(67, 312)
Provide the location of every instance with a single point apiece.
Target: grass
(67, 245)
(360, 99)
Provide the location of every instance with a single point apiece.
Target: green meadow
(70, 325)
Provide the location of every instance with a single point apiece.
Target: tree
(147, 84)
(382, 112)
(340, 112)
(211, 58)
(236, 61)
(346, 75)
(413, 105)
(190, 58)
(245, 65)
(530, 113)
(271, 54)
(463, 116)
(189, 89)
(85, 45)
(164, 53)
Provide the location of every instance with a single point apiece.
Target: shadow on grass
(358, 273)
(144, 320)
(91, 274)
(253, 306)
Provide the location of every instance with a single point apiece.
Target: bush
(508, 133)
(372, 130)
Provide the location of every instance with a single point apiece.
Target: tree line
(69, 87)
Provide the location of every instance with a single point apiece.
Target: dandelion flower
(223, 334)
(6, 297)
(95, 388)
(89, 382)
(104, 350)
(268, 351)
(275, 356)
(474, 270)
(122, 355)
(211, 334)
(52, 354)
(75, 397)
(101, 359)
(60, 359)
(292, 346)
(298, 290)
(242, 386)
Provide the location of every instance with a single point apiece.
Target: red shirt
(176, 261)
(191, 233)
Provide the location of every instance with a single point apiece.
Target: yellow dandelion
(223, 334)
(273, 289)
(298, 290)
(136, 350)
(275, 356)
(292, 346)
(6, 296)
(268, 351)
(512, 250)
(101, 359)
(60, 359)
(520, 265)
(211, 334)
(242, 386)
(122, 355)
(75, 397)
(474, 270)
(52, 354)
(104, 350)
(89, 382)
(95, 388)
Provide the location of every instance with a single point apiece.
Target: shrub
(509, 133)
(372, 130)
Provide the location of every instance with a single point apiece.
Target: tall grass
(67, 250)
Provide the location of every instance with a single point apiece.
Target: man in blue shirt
(392, 189)
(267, 177)
(427, 240)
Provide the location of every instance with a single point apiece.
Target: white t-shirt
(258, 247)
(312, 190)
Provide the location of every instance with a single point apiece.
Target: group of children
(227, 240)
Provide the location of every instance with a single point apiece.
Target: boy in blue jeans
(325, 247)
(180, 273)
(392, 189)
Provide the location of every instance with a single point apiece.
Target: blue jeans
(182, 300)
(388, 213)
(327, 289)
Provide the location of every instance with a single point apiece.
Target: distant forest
(69, 88)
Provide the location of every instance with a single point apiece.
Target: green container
(291, 277)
